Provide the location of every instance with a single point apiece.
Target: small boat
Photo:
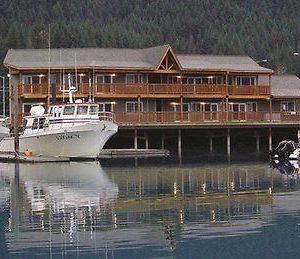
(4, 131)
(74, 130)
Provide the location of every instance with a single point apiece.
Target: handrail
(98, 89)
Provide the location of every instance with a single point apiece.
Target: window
(173, 79)
(134, 78)
(245, 80)
(69, 110)
(32, 79)
(252, 107)
(35, 123)
(133, 107)
(197, 107)
(288, 106)
(82, 110)
(104, 79)
(106, 107)
(93, 110)
(41, 122)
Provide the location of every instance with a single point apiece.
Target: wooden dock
(10, 157)
(120, 153)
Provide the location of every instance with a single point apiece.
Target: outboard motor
(284, 149)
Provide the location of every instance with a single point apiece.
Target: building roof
(148, 58)
(285, 86)
(224, 63)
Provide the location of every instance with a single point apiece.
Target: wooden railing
(205, 117)
(191, 117)
(115, 89)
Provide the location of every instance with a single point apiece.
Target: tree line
(268, 29)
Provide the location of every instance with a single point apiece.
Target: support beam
(210, 145)
(16, 120)
(135, 139)
(228, 144)
(163, 141)
(270, 139)
(146, 140)
(179, 143)
(257, 144)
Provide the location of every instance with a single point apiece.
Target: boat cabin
(74, 111)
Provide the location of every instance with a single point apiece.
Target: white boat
(75, 130)
(4, 131)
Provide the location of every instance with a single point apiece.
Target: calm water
(85, 210)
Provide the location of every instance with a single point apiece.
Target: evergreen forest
(265, 29)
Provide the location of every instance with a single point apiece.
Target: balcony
(206, 118)
(123, 90)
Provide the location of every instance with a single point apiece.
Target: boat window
(69, 110)
(93, 110)
(35, 123)
(41, 123)
(82, 110)
(24, 123)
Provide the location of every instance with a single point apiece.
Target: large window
(287, 106)
(32, 79)
(133, 107)
(245, 80)
(104, 79)
(134, 78)
(106, 107)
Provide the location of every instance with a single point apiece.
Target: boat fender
(28, 153)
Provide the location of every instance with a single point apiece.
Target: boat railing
(106, 116)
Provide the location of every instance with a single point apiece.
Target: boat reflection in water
(81, 209)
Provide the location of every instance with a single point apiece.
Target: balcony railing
(208, 117)
(192, 117)
(122, 89)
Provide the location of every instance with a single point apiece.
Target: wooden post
(181, 108)
(179, 143)
(16, 120)
(163, 141)
(270, 139)
(139, 108)
(257, 143)
(135, 139)
(210, 144)
(228, 143)
(146, 140)
(270, 108)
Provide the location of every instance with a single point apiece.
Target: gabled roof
(148, 58)
(285, 86)
(221, 63)
(122, 58)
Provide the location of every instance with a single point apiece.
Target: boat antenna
(70, 89)
(49, 61)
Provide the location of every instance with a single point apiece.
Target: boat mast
(49, 60)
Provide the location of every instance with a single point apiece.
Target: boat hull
(82, 141)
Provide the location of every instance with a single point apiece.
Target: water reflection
(81, 209)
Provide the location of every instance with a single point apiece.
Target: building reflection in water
(69, 208)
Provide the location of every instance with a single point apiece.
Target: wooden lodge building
(164, 100)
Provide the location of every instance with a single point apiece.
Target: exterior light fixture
(113, 103)
(113, 75)
(8, 75)
(210, 77)
(41, 75)
(296, 53)
(178, 77)
(81, 74)
(173, 103)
